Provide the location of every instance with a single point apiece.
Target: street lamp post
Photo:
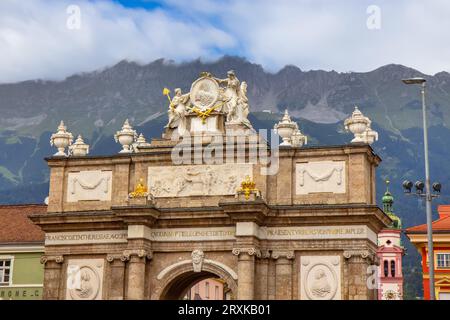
(428, 196)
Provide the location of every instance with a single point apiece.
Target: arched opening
(392, 268)
(208, 289)
(386, 268)
(179, 279)
(196, 286)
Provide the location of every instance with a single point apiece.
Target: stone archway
(179, 277)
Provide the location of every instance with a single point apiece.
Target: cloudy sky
(52, 39)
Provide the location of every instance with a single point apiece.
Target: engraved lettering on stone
(320, 176)
(86, 237)
(200, 180)
(197, 260)
(89, 185)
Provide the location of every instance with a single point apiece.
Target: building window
(216, 293)
(5, 272)
(207, 290)
(386, 268)
(197, 289)
(443, 260)
(392, 268)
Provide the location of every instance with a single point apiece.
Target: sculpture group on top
(210, 103)
(208, 95)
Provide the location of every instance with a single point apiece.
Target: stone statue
(177, 111)
(242, 106)
(209, 97)
(231, 94)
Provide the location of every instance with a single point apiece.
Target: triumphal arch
(211, 198)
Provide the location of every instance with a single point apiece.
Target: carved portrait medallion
(87, 284)
(320, 278)
(84, 279)
(321, 282)
(204, 93)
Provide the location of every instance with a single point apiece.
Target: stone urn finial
(298, 139)
(359, 125)
(61, 139)
(285, 128)
(126, 137)
(79, 148)
(370, 136)
(141, 140)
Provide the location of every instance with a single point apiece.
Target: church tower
(390, 253)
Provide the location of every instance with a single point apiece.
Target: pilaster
(117, 276)
(262, 276)
(136, 273)
(283, 274)
(246, 272)
(356, 272)
(52, 276)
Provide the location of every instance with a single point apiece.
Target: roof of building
(15, 227)
(440, 225)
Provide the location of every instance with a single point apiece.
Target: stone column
(261, 283)
(116, 276)
(52, 276)
(283, 274)
(136, 273)
(271, 280)
(357, 263)
(246, 272)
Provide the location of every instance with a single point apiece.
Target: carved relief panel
(89, 185)
(320, 278)
(320, 176)
(84, 279)
(197, 180)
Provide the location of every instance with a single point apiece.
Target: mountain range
(96, 104)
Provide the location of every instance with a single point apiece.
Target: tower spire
(388, 202)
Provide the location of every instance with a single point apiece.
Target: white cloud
(36, 43)
(312, 34)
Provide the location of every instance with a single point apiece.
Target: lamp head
(407, 186)
(416, 80)
(419, 186)
(437, 187)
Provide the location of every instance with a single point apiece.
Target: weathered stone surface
(255, 245)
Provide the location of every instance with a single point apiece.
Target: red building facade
(441, 245)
